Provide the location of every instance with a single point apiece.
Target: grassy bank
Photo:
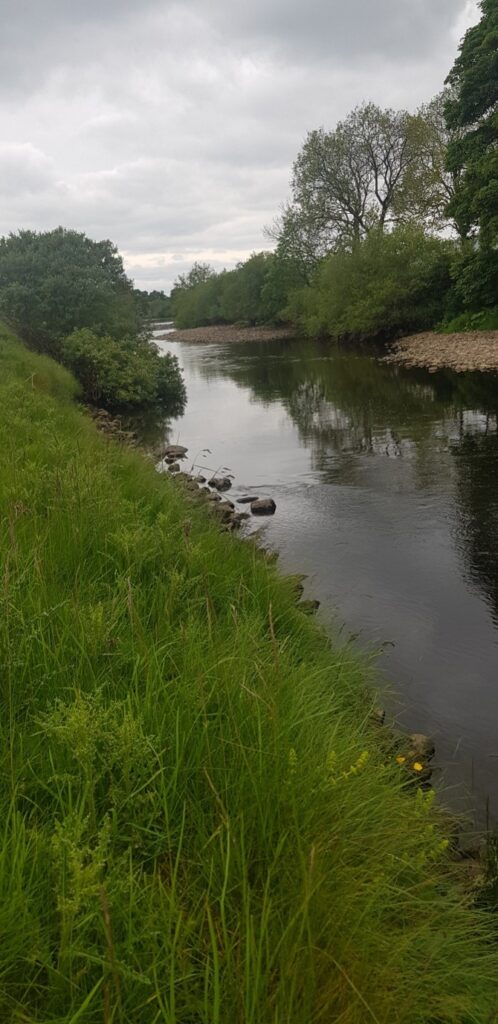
(198, 824)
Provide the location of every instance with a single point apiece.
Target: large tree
(349, 181)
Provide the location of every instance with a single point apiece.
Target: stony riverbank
(471, 350)
(231, 332)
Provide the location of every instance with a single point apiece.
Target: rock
(213, 497)
(263, 507)
(174, 468)
(421, 748)
(297, 583)
(225, 510)
(378, 716)
(200, 479)
(221, 483)
(309, 607)
(247, 500)
(175, 450)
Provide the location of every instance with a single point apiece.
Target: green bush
(122, 374)
(389, 284)
(485, 320)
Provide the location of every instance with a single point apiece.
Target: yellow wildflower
(417, 766)
(400, 759)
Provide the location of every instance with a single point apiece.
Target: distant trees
(154, 305)
(254, 292)
(69, 296)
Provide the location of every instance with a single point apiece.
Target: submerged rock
(421, 747)
(309, 607)
(247, 500)
(263, 507)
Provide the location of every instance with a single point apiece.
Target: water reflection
(386, 483)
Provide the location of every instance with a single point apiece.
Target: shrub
(388, 284)
(122, 373)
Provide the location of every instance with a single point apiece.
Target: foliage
(429, 186)
(484, 320)
(352, 180)
(153, 305)
(255, 292)
(389, 284)
(472, 111)
(197, 821)
(123, 373)
(54, 282)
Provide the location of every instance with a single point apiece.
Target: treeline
(69, 297)
(392, 224)
(255, 292)
(155, 305)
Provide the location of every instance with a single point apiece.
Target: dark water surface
(386, 484)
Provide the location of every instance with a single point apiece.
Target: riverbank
(200, 820)
(472, 350)
(231, 333)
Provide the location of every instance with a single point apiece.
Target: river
(386, 484)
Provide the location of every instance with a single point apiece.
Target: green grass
(197, 823)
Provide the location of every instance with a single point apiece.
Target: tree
(428, 185)
(472, 112)
(347, 182)
(54, 282)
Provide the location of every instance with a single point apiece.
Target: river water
(386, 484)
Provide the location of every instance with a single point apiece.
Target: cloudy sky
(171, 127)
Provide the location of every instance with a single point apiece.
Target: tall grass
(198, 825)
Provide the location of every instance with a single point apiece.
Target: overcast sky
(171, 127)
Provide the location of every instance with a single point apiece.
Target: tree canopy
(53, 282)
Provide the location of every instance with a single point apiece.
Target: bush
(485, 320)
(123, 373)
(389, 284)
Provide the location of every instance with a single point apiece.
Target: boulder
(221, 483)
(177, 451)
(263, 507)
(174, 468)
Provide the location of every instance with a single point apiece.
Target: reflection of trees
(348, 404)
(476, 459)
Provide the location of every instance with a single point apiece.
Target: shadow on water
(386, 482)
